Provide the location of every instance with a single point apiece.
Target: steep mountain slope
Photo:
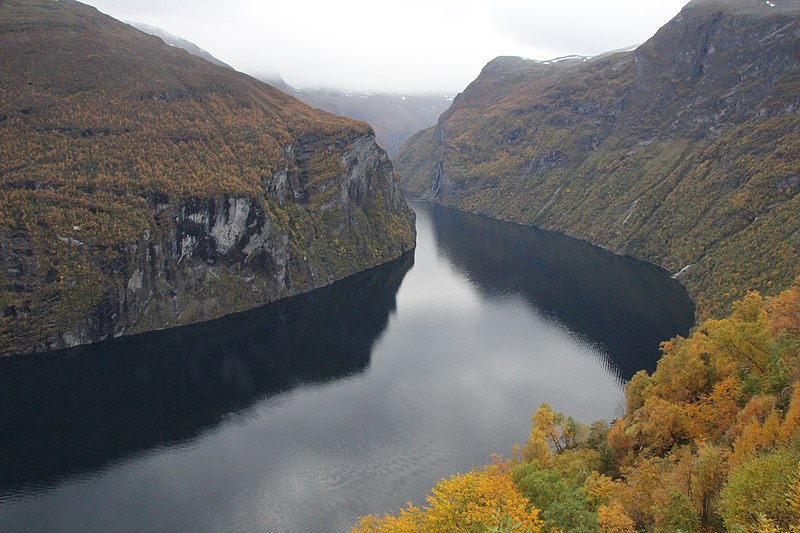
(142, 187)
(180, 42)
(684, 152)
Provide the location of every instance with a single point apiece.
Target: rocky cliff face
(142, 188)
(684, 152)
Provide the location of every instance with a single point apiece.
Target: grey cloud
(409, 46)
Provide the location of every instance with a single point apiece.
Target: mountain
(142, 187)
(179, 42)
(684, 152)
(277, 81)
(395, 117)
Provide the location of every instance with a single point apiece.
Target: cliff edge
(143, 188)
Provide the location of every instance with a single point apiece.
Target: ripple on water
(370, 397)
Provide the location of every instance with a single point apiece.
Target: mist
(415, 46)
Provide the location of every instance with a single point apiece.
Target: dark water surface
(353, 399)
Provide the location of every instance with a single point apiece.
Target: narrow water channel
(354, 399)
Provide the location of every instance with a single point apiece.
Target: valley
(229, 301)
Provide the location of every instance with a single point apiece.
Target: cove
(305, 414)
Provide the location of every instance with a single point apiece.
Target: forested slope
(142, 187)
(684, 152)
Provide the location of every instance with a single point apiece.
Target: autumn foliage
(709, 442)
(697, 171)
(108, 137)
(472, 502)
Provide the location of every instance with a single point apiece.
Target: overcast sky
(407, 46)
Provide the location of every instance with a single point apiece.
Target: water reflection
(417, 374)
(77, 409)
(623, 306)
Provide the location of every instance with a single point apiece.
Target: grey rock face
(148, 188)
(207, 257)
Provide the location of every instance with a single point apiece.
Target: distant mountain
(179, 42)
(684, 152)
(394, 117)
(142, 187)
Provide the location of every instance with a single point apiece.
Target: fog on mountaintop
(410, 47)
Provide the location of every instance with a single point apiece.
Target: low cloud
(412, 46)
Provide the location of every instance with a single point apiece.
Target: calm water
(305, 414)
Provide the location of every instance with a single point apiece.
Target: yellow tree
(536, 447)
(715, 413)
(757, 438)
(636, 392)
(612, 519)
(743, 339)
(683, 373)
(784, 311)
(598, 488)
(549, 422)
(761, 485)
(470, 502)
(709, 473)
(621, 444)
(790, 428)
(664, 424)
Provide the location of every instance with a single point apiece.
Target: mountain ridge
(180, 42)
(682, 152)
